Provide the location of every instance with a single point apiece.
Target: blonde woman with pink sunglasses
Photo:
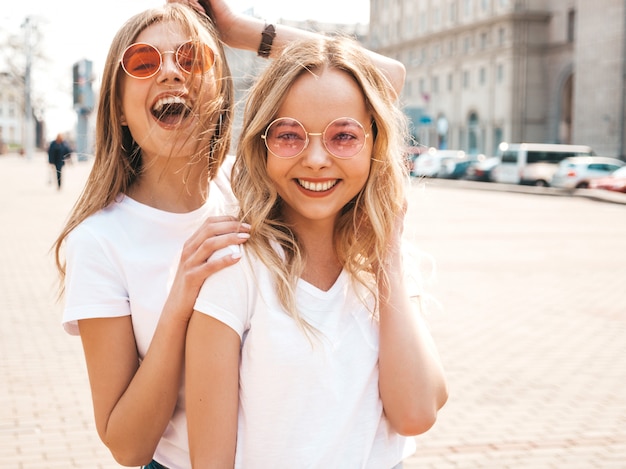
(157, 204)
(312, 351)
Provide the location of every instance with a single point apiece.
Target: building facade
(480, 72)
(11, 112)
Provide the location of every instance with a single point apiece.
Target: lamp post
(83, 104)
(28, 134)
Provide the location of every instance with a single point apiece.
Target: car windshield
(619, 173)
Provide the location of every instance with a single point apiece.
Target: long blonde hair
(363, 229)
(118, 160)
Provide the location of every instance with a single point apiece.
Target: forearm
(146, 409)
(132, 403)
(244, 32)
(411, 381)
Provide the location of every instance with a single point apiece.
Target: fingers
(216, 226)
(191, 3)
(216, 233)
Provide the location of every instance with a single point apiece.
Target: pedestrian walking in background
(58, 152)
(312, 350)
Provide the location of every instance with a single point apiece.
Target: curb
(591, 194)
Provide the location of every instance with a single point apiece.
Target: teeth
(161, 103)
(317, 186)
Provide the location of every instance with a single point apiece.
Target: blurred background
(480, 73)
(517, 209)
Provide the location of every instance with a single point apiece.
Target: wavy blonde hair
(118, 161)
(363, 228)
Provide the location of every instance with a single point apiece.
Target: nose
(315, 154)
(170, 71)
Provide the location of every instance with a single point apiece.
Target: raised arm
(244, 32)
(411, 381)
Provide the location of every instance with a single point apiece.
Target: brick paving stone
(531, 327)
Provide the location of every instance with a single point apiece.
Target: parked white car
(575, 172)
(436, 163)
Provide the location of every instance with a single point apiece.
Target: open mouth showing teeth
(318, 186)
(171, 110)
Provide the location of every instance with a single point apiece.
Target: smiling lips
(318, 186)
(171, 110)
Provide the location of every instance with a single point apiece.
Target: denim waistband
(154, 465)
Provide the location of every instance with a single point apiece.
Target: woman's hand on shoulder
(197, 261)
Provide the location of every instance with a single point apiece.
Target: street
(529, 317)
(532, 329)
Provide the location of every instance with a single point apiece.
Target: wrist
(267, 39)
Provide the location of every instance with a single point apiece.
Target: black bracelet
(267, 37)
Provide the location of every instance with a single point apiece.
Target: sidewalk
(46, 419)
(532, 329)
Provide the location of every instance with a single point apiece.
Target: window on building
(473, 132)
(452, 15)
(466, 79)
(484, 5)
(482, 75)
(500, 73)
(435, 84)
(467, 8)
(483, 41)
(497, 139)
(422, 85)
(450, 81)
(571, 26)
(466, 44)
(501, 36)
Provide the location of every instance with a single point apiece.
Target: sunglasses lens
(195, 57)
(344, 137)
(141, 60)
(285, 137)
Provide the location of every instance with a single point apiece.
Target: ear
(123, 120)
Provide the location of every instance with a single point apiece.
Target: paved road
(531, 327)
(532, 330)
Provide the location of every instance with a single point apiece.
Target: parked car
(438, 163)
(576, 171)
(533, 163)
(616, 181)
(481, 169)
(456, 167)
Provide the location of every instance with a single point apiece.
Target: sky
(75, 30)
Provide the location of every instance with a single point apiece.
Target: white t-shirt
(302, 403)
(121, 261)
